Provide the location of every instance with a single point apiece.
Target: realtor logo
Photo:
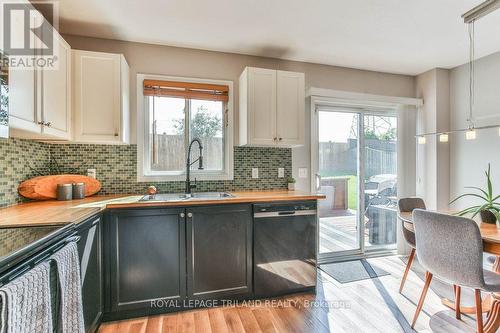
(28, 36)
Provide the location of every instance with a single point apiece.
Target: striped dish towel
(26, 303)
(68, 270)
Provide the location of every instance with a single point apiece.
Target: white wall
(156, 59)
(469, 159)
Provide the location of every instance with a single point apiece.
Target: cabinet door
(290, 113)
(219, 251)
(97, 103)
(147, 259)
(261, 106)
(90, 252)
(23, 112)
(56, 93)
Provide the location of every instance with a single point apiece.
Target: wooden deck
(339, 233)
(371, 306)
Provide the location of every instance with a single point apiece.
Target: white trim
(371, 99)
(142, 122)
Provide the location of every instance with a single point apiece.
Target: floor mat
(350, 271)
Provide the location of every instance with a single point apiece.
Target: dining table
(490, 235)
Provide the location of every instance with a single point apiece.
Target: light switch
(255, 172)
(302, 172)
(281, 172)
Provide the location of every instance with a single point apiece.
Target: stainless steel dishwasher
(284, 247)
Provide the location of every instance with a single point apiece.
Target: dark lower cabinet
(219, 251)
(156, 259)
(90, 253)
(147, 261)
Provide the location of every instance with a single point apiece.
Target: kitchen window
(174, 112)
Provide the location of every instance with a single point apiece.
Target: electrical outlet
(92, 173)
(255, 172)
(302, 172)
(281, 172)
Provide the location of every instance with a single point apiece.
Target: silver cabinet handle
(48, 124)
(190, 214)
(182, 215)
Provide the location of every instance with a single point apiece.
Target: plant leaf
(490, 186)
(477, 188)
(467, 210)
(483, 207)
(471, 195)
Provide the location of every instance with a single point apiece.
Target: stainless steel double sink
(165, 197)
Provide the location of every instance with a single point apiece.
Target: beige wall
(433, 157)
(445, 169)
(469, 159)
(156, 59)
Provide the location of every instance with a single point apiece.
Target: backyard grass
(352, 190)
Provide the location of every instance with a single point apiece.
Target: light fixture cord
(471, 74)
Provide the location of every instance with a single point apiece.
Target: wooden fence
(171, 153)
(339, 158)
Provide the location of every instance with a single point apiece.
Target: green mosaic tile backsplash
(117, 167)
(18, 161)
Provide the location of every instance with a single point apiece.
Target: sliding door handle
(318, 181)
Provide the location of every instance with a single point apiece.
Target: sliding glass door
(356, 170)
(380, 181)
(337, 178)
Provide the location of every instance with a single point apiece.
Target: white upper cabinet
(290, 112)
(101, 97)
(271, 108)
(24, 113)
(56, 95)
(258, 106)
(40, 98)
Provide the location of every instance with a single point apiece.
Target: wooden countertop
(53, 212)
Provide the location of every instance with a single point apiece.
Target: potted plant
(489, 209)
(291, 183)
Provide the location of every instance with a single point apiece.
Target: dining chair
(408, 205)
(451, 248)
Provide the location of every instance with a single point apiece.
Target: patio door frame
(360, 108)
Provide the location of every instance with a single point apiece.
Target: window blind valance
(205, 91)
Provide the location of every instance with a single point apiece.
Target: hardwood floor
(372, 305)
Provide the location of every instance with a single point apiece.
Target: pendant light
(443, 137)
(470, 19)
(470, 134)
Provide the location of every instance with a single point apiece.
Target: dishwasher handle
(285, 213)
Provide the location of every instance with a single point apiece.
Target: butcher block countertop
(53, 212)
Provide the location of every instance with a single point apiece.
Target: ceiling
(396, 36)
